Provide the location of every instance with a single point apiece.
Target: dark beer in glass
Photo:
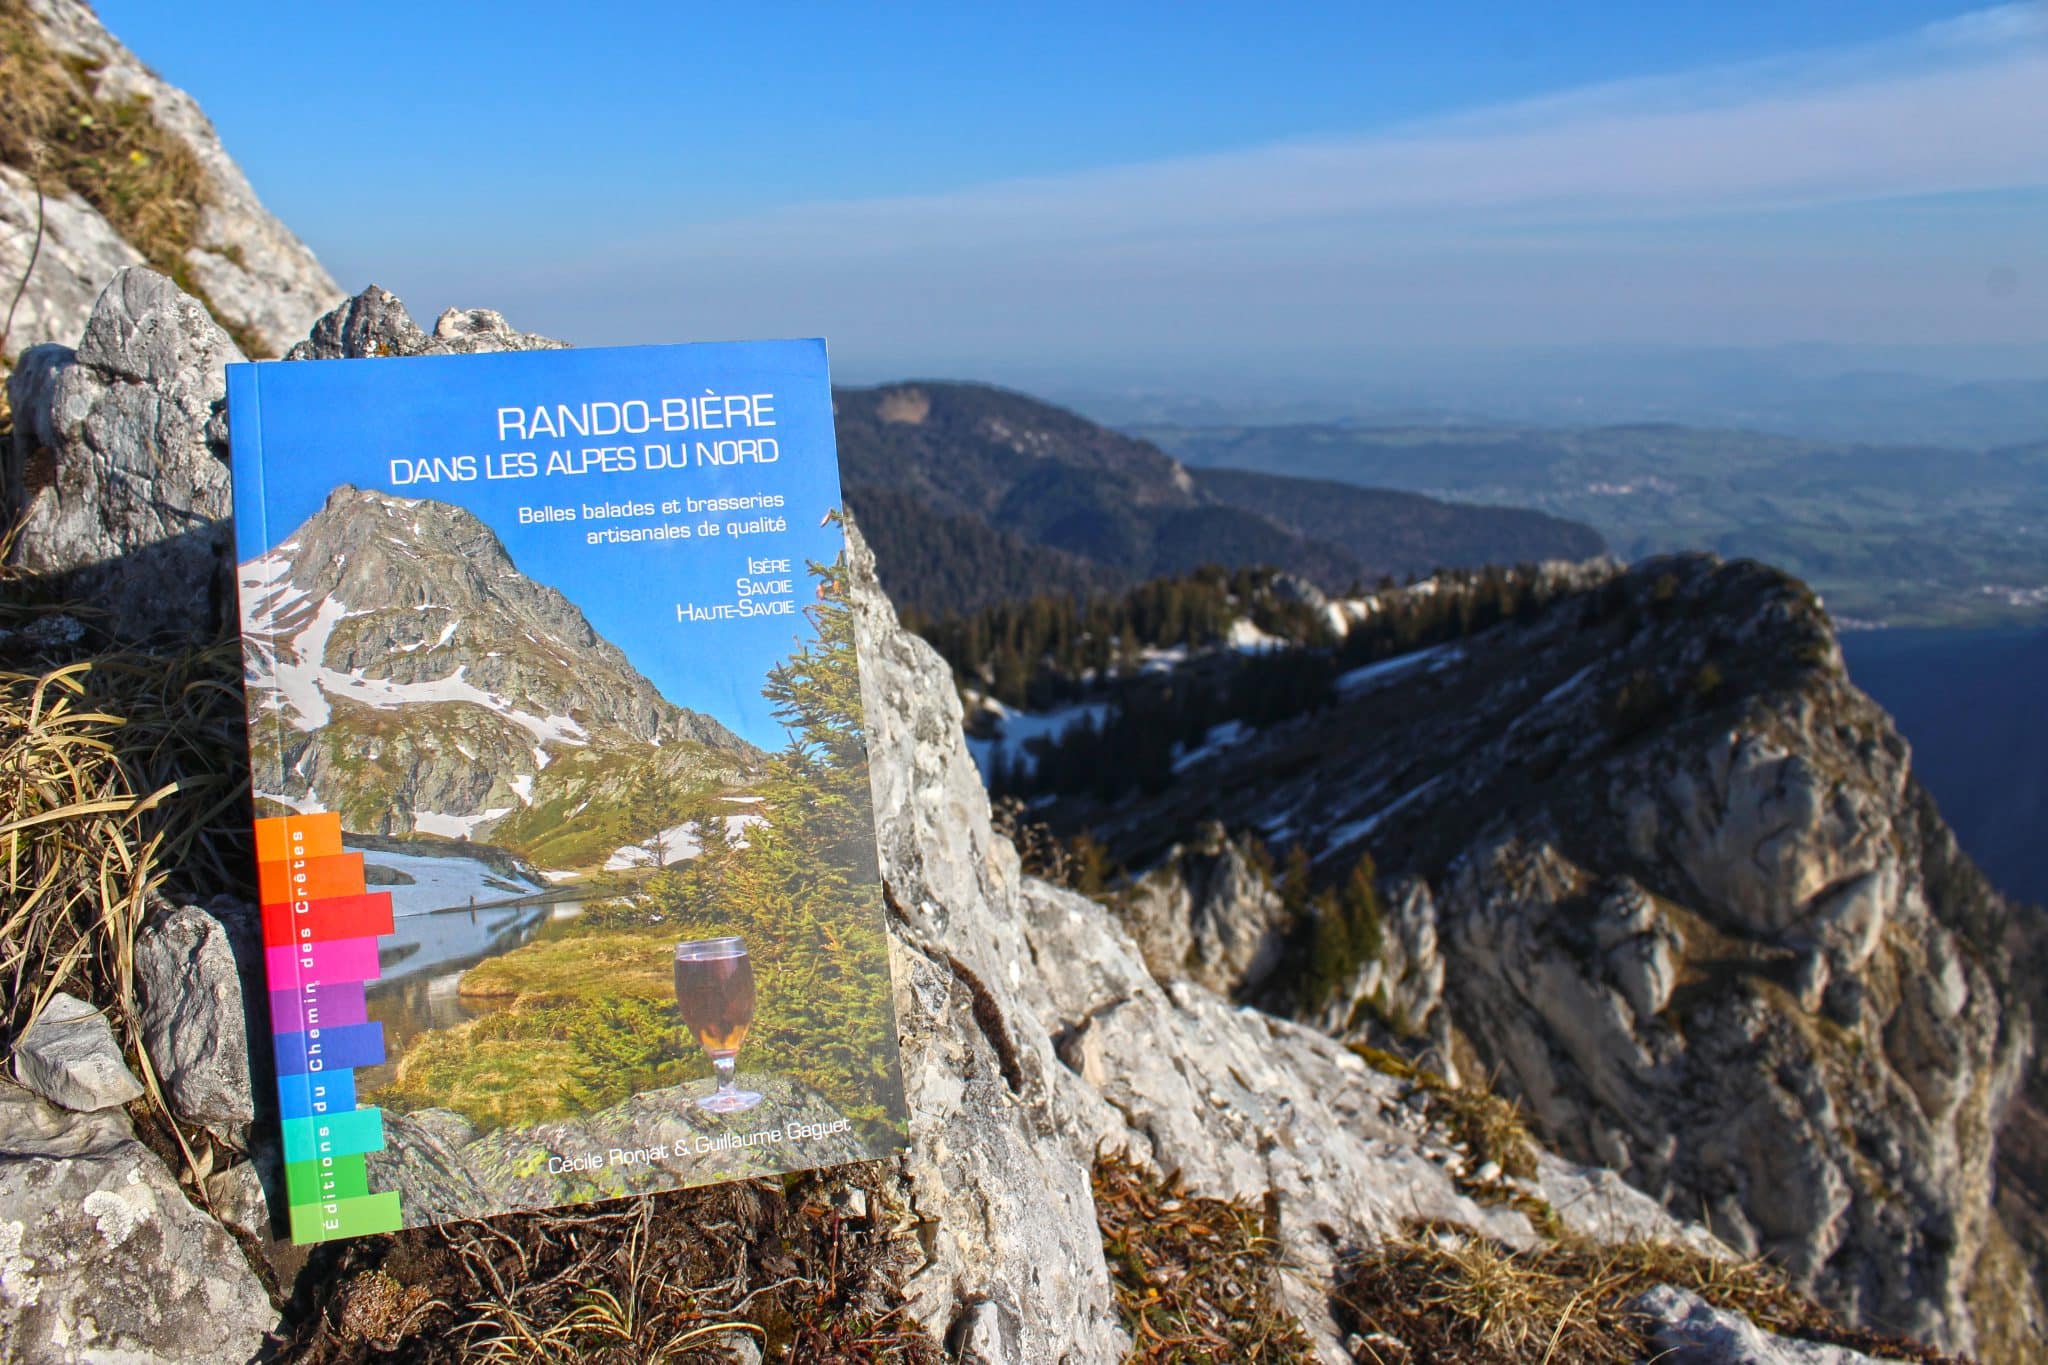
(715, 996)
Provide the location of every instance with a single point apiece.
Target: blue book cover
(564, 835)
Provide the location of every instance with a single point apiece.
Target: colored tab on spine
(345, 1218)
(327, 1004)
(310, 878)
(326, 1180)
(304, 1095)
(337, 1048)
(342, 959)
(296, 921)
(359, 1130)
(281, 837)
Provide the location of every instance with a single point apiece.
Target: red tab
(336, 917)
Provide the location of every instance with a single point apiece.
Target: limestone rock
(1393, 1000)
(1687, 1330)
(80, 252)
(374, 323)
(254, 271)
(193, 1022)
(1034, 1036)
(69, 1056)
(101, 1256)
(119, 461)
(239, 1200)
(1207, 913)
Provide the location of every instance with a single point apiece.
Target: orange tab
(280, 837)
(310, 879)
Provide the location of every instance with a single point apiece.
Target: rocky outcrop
(102, 1258)
(193, 1019)
(258, 277)
(1654, 865)
(118, 468)
(1393, 998)
(375, 324)
(1034, 1036)
(1686, 1330)
(1209, 913)
(68, 1056)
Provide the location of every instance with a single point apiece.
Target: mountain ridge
(1053, 481)
(463, 655)
(1649, 859)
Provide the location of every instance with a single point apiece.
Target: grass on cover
(1196, 1279)
(1443, 1293)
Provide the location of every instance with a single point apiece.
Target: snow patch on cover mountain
(456, 826)
(289, 660)
(680, 843)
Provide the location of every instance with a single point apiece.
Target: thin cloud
(1957, 107)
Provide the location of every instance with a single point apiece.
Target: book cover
(565, 843)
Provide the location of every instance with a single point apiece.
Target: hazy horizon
(1475, 213)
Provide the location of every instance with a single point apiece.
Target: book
(564, 837)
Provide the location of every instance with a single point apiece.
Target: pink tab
(341, 959)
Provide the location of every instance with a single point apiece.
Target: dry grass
(664, 1278)
(1489, 1126)
(1195, 1278)
(143, 180)
(1446, 1294)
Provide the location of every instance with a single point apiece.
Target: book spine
(321, 924)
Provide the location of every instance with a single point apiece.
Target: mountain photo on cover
(601, 748)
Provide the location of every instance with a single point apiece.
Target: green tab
(356, 1217)
(308, 1139)
(322, 1181)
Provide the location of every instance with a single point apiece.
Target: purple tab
(341, 959)
(330, 1004)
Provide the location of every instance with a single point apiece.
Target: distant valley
(1905, 535)
(973, 495)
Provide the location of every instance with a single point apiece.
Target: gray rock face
(374, 323)
(1393, 999)
(103, 1259)
(192, 1016)
(1687, 1330)
(80, 252)
(1691, 910)
(119, 460)
(254, 271)
(1034, 1036)
(1206, 913)
(69, 1056)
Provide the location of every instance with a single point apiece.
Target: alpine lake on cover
(565, 841)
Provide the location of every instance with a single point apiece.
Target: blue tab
(303, 1096)
(335, 1049)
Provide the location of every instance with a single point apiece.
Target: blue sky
(328, 423)
(954, 190)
